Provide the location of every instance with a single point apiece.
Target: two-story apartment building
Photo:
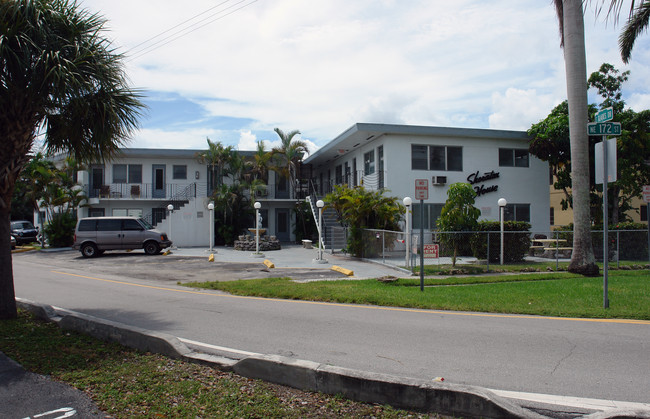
(495, 162)
(144, 182)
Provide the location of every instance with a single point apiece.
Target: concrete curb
(420, 395)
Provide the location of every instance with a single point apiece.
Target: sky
(233, 70)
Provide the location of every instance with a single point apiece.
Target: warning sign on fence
(431, 251)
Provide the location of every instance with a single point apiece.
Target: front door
(96, 180)
(282, 224)
(158, 177)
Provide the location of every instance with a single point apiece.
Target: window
(119, 173)
(380, 157)
(131, 225)
(369, 163)
(179, 172)
(109, 224)
(338, 172)
(444, 158)
(552, 216)
(431, 214)
(123, 172)
(135, 173)
(517, 212)
(513, 157)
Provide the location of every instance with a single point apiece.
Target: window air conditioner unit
(439, 180)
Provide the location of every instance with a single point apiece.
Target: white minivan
(95, 235)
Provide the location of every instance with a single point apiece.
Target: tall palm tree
(58, 77)
(216, 157)
(572, 34)
(637, 23)
(290, 152)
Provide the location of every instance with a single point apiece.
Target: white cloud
(519, 109)
(322, 66)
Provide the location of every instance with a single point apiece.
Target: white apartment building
(495, 162)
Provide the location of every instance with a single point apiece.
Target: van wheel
(151, 248)
(89, 250)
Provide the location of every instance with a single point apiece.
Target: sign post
(604, 128)
(646, 199)
(421, 193)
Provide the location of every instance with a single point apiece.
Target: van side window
(109, 225)
(87, 225)
(131, 225)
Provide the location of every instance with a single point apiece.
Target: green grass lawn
(548, 294)
(125, 383)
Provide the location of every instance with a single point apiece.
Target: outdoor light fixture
(257, 207)
(170, 208)
(407, 203)
(502, 205)
(320, 204)
(211, 209)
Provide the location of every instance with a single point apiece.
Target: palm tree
(216, 157)
(291, 152)
(637, 22)
(572, 34)
(261, 161)
(58, 77)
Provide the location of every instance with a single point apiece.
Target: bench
(558, 248)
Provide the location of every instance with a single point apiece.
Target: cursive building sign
(476, 178)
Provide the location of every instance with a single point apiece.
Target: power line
(185, 31)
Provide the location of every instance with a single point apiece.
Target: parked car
(13, 242)
(95, 235)
(24, 232)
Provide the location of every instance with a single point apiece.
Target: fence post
(557, 251)
(383, 246)
(618, 249)
(488, 251)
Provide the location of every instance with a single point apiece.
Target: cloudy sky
(232, 70)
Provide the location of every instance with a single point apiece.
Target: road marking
(580, 402)
(401, 309)
(67, 412)
(218, 348)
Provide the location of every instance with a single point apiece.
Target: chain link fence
(485, 251)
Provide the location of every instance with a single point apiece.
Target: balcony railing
(147, 191)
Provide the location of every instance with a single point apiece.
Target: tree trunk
(7, 293)
(582, 258)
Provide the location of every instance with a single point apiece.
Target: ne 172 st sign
(604, 128)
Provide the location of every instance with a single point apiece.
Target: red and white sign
(646, 193)
(421, 189)
(431, 251)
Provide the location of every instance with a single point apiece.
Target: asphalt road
(570, 357)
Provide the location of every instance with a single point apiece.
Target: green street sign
(604, 128)
(605, 115)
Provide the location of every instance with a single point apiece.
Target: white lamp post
(257, 206)
(211, 209)
(407, 203)
(170, 208)
(502, 205)
(320, 204)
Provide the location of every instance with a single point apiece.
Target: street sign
(605, 115)
(431, 250)
(421, 189)
(646, 193)
(604, 128)
(599, 151)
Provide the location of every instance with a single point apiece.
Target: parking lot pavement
(27, 395)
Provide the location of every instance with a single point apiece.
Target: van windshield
(146, 224)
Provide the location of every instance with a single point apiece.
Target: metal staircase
(333, 234)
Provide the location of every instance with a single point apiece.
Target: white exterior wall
(518, 185)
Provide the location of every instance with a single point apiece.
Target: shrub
(515, 243)
(60, 230)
